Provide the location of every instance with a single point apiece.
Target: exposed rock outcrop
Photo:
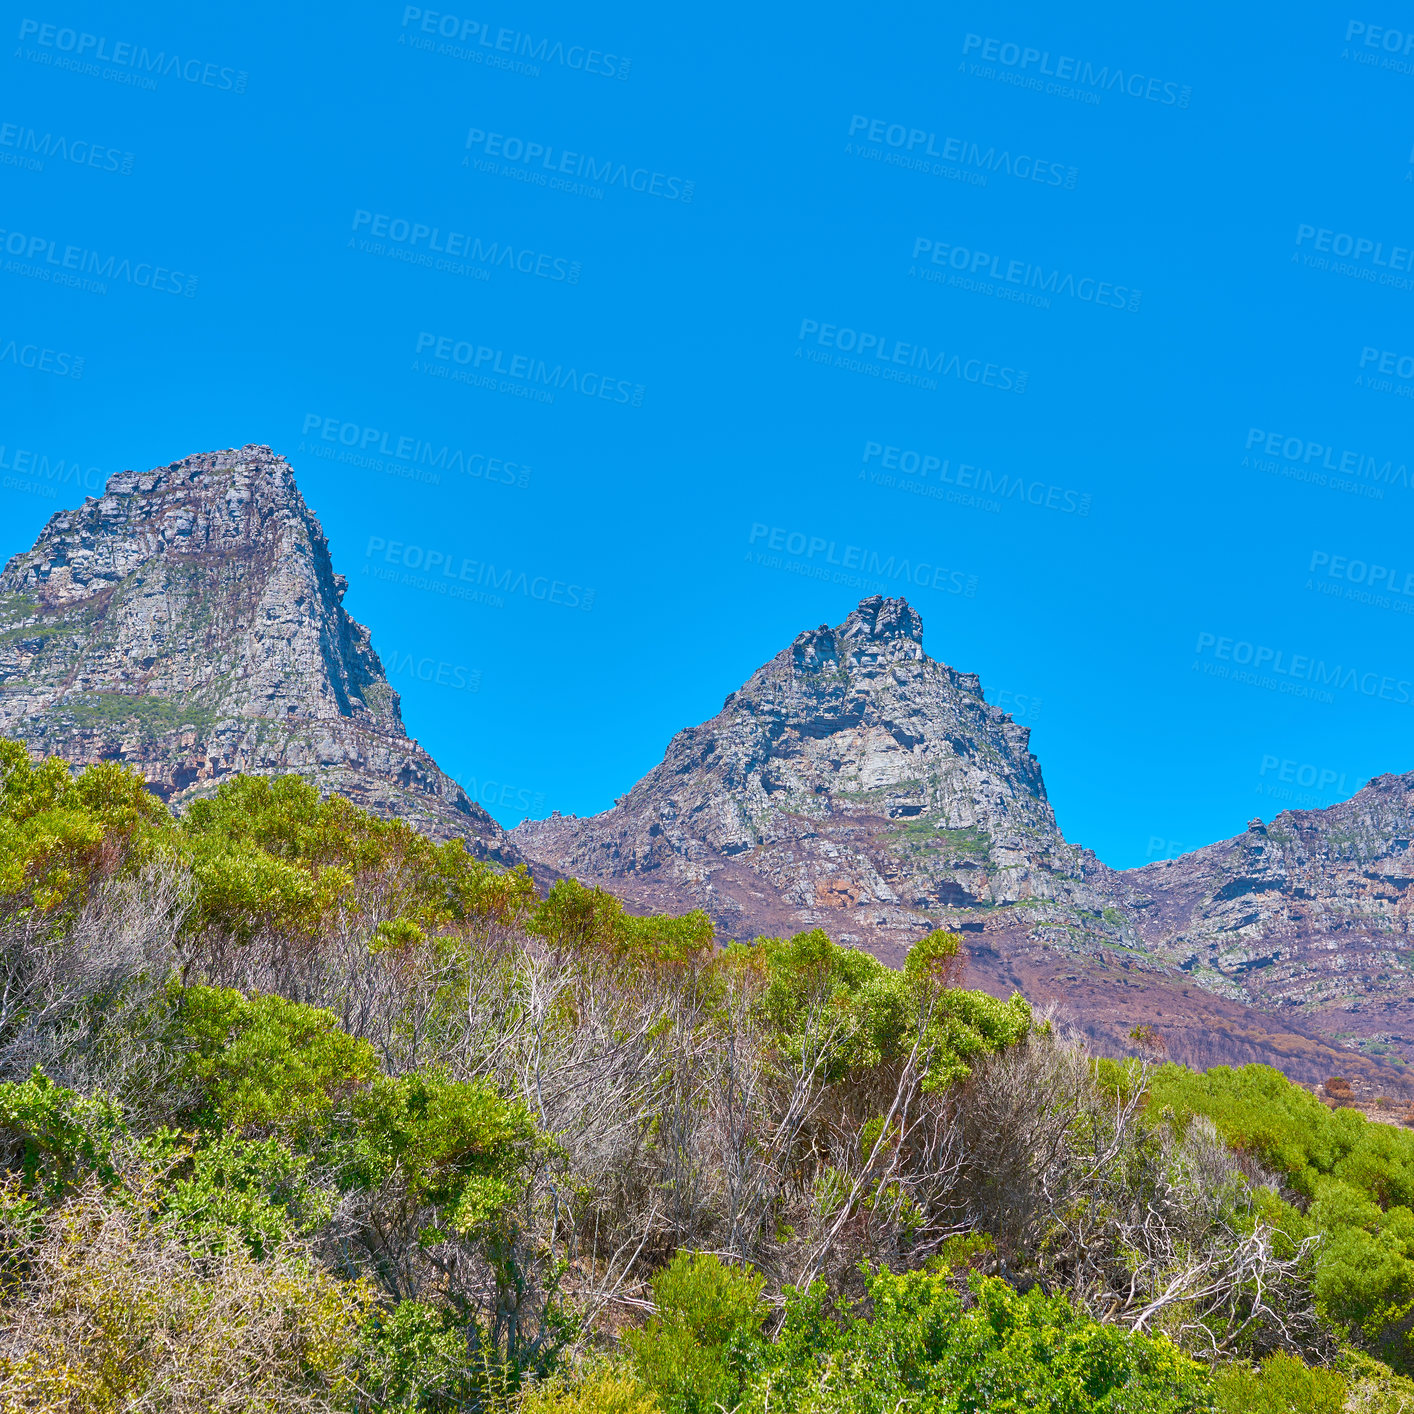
(857, 785)
(189, 621)
(1310, 914)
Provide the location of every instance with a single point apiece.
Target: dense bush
(1351, 1182)
(929, 1346)
(291, 1094)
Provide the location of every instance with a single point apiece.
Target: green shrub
(415, 1357)
(1283, 1385)
(57, 830)
(1357, 1175)
(866, 1014)
(456, 1146)
(53, 1137)
(923, 1348)
(267, 1063)
(691, 1354)
(599, 1392)
(254, 1191)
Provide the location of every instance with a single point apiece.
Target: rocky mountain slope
(852, 783)
(1310, 913)
(189, 621)
(857, 785)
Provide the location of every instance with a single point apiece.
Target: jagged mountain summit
(189, 621)
(857, 785)
(852, 783)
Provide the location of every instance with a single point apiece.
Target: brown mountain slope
(1310, 914)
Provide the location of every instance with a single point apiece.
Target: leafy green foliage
(268, 853)
(257, 1192)
(1356, 1176)
(587, 923)
(53, 1137)
(58, 830)
(869, 1014)
(268, 1063)
(599, 1391)
(691, 1354)
(1259, 1111)
(924, 1348)
(1283, 1385)
(415, 1357)
(456, 1146)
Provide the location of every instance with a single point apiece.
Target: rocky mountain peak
(189, 620)
(850, 770)
(880, 631)
(884, 624)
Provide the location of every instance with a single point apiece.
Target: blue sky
(1085, 334)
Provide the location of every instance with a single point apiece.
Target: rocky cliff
(189, 621)
(857, 785)
(1310, 914)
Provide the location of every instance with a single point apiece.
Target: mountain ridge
(190, 621)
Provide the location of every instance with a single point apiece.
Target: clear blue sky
(1083, 333)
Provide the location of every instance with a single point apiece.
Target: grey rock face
(1311, 912)
(851, 772)
(857, 785)
(189, 621)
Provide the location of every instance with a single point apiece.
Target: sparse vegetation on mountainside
(301, 1111)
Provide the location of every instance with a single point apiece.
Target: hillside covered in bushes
(302, 1111)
